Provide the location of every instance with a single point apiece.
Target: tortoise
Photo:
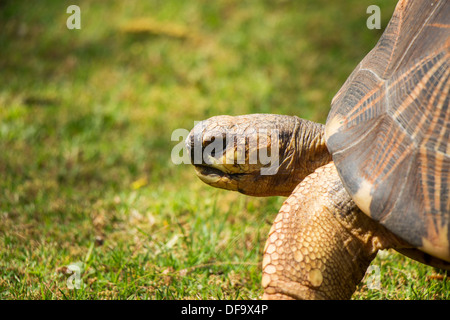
(375, 176)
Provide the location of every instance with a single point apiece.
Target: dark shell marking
(389, 127)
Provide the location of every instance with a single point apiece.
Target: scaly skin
(300, 143)
(321, 243)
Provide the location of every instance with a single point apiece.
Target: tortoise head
(258, 154)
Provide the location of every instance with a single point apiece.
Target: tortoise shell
(389, 127)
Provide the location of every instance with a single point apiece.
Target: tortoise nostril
(194, 148)
(192, 141)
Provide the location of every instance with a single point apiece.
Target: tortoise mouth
(209, 171)
(218, 178)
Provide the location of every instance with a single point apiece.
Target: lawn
(88, 189)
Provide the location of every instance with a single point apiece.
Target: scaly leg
(320, 244)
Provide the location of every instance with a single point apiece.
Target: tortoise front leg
(320, 244)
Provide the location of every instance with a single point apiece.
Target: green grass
(86, 118)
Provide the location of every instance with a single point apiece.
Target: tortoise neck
(318, 151)
(312, 149)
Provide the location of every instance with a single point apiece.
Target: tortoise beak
(210, 165)
(197, 143)
(194, 144)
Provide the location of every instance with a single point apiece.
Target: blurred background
(86, 117)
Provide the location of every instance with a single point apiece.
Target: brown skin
(321, 243)
(300, 142)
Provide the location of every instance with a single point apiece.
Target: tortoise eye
(220, 144)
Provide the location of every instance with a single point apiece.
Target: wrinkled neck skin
(295, 147)
(302, 150)
(311, 150)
